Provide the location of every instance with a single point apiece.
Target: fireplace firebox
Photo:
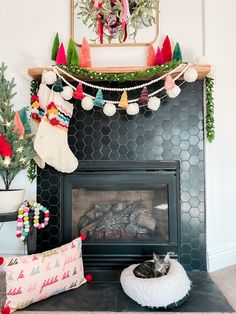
(128, 210)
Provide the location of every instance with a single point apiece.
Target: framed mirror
(115, 22)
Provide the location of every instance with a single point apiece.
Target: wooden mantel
(202, 69)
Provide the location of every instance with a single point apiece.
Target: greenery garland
(121, 77)
(210, 109)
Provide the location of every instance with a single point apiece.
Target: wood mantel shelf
(202, 69)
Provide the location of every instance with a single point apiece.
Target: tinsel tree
(20, 149)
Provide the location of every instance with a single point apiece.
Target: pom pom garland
(89, 277)
(132, 109)
(123, 103)
(87, 103)
(169, 83)
(78, 94)
(174, 92)
(109, 109)
(1, 260)
(154, 103)
(58, 87)
(49, 77)
(67, 93)
(98, 101)
(83, 237)
(143, 99)
(190, 75)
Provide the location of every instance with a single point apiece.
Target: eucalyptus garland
(121, 77)
(210, 109)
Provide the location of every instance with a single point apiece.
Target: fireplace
(169, 141)
(128, 210)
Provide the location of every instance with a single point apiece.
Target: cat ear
(155, 257)
(167, 258)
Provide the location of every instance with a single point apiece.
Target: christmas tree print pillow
(32, 278)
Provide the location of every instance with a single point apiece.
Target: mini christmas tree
(166, 50)
(99, 101)
(15, 154)
(144, 98)
(123, 101)
(84, 55)
(75, 57)
(18, 126)
(159, 57)
(151, 56)
(58, 86)
(177, 54)
(72, 54)
(25, 121)
(55, 47)
(61, 55)
(78, 94)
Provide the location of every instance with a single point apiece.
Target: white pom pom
(67, 93)
(190, 75)
(132, 109)
(109, 109)
(154, 103)
(87, 103)
(174, 92)
(49, 77)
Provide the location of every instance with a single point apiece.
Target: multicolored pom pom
(89, 277)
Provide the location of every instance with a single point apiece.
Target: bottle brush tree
(16, 149)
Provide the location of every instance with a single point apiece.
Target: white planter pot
(11, 200)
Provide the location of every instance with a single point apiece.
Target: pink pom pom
(89, 277)
(83, 237)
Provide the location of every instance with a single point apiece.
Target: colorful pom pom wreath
(132, 109)
(83, 237)
(174, 92)
(89, 277)
(1, 260)
(190, 75)
(67, 93)
(109, 109)
(87, 103)
(49, 77)
(154, 103)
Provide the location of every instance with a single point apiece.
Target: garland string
(210, 109)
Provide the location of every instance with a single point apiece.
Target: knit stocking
(51, 142)
(39, 104)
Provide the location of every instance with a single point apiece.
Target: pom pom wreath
(143, 99)
(83, 237)
(6, 310)
(58, 87)
(98, 101)
(169, 83)
(89, 277)
(177, 54)
(87, 103)
(84, 55)
(132, 109)
(61, 55)
(78, 94)
(55, 47)
(159, 57)
(67, 93)
(109, 109)
(190, 75)
(123, 101)
(151, 56)
(49, 77)
(1, 260)
(154, 103)
(174, 92)
(18, 126)
(166, 50)
(5, 148)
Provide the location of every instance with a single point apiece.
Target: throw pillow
(36, 277)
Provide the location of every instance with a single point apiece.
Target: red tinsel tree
(166, 50)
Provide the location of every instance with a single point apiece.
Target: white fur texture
(191, 75)
(154, 103)
(156, 292)
(132, 109)
(174, 92)
(87, 103)
(67, 93)
(109, 109)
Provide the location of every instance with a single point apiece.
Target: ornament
(143, 99)
(151, 56)
(169, 83)
(98, 101)
(109, 109)
(190, 75)
(78, 94)
(166, 50)
(25, 121)
(123, 101)
(67, 93)
(5, 147)
(154, 103)
(1, 260)
(132, 109)
(55, 47)
(159, 57)
(84, 55)
(61, 55)
(6, 162)
(89, 277)
(49, 77)
(58, 87)
(87, 103)
(174, 92)
(18, 126)
(177, 54)
(83, 237)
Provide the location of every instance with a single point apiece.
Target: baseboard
(221, 257)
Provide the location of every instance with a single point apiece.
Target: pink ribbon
(126, 12)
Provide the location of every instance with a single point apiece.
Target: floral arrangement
(110, 19)
(16, 148)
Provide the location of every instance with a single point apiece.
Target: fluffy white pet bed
(157, 292)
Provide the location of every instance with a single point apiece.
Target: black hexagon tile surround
(174, 132)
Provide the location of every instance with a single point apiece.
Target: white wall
(27, 29)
